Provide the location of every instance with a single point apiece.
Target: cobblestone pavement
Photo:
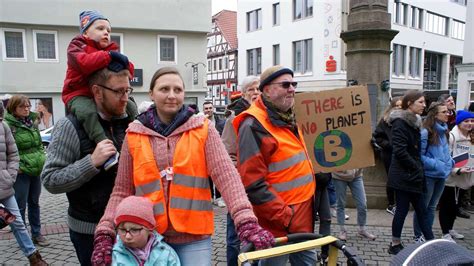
(61, 251)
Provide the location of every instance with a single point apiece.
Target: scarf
(143, 254)
(150, 119)
(288, 117)
(26, 121)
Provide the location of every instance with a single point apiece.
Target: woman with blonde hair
(383, 137)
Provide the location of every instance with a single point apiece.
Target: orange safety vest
(290, 171)
(189, 208)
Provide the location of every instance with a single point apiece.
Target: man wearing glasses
(74, 162)
(274, 164)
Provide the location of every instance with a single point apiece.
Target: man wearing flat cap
(274, 164)
(74, 162)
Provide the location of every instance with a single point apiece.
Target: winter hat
(272, 73)
(462, 115)
(137, 210)
(86, 18)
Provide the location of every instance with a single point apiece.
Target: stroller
(435, 252)
(297, 242)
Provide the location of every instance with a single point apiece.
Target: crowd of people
(140, 184)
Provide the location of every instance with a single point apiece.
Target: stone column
(368, 39)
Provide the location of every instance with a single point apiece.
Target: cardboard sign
(336, 128)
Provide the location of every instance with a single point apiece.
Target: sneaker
(342, 235)
(113, 160)
(449, 238)
(220, 202)
(463, 214)
(391, 209)
(395, 249)
(366, 234)
(40, 241)
(419, 239)
(455, 234)
(334, 214)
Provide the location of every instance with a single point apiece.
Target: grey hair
(247, 81)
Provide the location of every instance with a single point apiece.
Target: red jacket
(84, 57)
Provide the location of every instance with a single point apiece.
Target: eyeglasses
(120, 92)
(24, 106)
(131, 231)
(286, 84)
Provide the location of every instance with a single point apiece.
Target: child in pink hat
(137, 241)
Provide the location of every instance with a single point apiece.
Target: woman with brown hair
(167, 156)
(437, 161)
(406, 170)
(28, 140)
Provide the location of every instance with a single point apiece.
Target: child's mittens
(102, 254)
(252, 232)
(118, 61)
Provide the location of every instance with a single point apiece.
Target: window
(457, 30)
(432, 71)
(461, 2)
(416, 18)
(472, 92)
(415, 62)
(254, 61)
(254, 20)
(226, 62)
(302, 9)
(398, 60)
(220, 63)
(436, 23)
(167, 49)
(276, 54)
(118, 39)
(14, 45)
(303, 56)
(45, 45)
(215, 64)
(401, 13)
(453, 73)
(276, 14)
(209, 66)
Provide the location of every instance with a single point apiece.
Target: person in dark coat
(383, 137)
(406, 170)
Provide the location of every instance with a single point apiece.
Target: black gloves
(118, 61)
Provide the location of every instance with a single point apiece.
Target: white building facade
(153, 33)
(304, 35)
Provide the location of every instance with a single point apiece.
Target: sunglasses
(287, 84)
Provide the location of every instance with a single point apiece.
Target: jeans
(331, 193)
(233, 242)
(194, 253)
(305, 257)
(84, 245)
(18, 227)
(403, 199)
(434, 190)
(358, 194)
(28, 190)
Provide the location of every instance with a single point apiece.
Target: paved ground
(61, 252)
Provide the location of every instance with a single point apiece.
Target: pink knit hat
(137, 210)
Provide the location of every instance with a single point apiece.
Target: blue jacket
(161, 254)
(437, 160)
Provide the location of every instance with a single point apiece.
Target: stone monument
(368, 39)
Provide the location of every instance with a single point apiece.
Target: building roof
(226, 20)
